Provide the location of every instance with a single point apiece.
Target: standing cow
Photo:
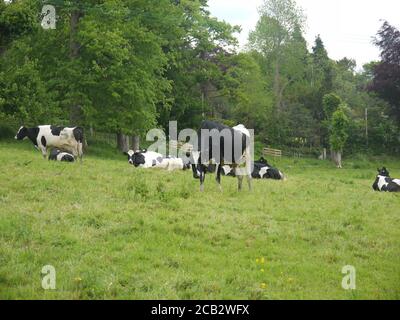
(222, 145)
(45, 137)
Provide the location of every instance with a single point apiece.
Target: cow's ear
(144, 150)
(126, 153)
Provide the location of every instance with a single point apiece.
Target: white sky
(345, 26)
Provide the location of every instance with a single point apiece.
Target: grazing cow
(383, 182)
(58, 155)
(262, 170)
(150, 159)
(64, 138)
(213, 147)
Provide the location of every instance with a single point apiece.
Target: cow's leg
(74, 151)
(248, 177)
(240, 181)
(202, 177)
(43, 149)
(238, 174)
(248, 173)
(80, 151)
(218, 177)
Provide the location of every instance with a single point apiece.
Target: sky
(347, 27)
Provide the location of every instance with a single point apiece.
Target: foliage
(125, 66)
(339, 129)
(386, 74)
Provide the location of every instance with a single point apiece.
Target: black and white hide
(58, 155)
(151, 159)
(223, 146)
(262, 170)
(384, 183)
(63, 138)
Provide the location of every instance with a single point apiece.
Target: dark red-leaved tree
(386, 81)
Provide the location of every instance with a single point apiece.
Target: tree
(331, 103)
(339, 134)
(280, 23)
(386, 74)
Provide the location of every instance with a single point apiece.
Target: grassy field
(115, 232)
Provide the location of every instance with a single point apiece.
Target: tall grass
(113, 231)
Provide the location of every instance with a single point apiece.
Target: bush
(7, 131)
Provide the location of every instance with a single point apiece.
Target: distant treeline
(125, 66)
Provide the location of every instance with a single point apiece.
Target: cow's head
(263, 161)
(22, 133)
(136, 158)
(383, 172)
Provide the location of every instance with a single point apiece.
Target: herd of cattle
(66, 144)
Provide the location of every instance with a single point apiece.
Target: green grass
(116, 232)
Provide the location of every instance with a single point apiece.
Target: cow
(174, 163)
(58, 155)
(384, 183)
(262, 170)
(144, 158)
(47, 136)
(151, 159)
(213, 147)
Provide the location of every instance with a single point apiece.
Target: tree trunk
(122, 142)
(337, 158)
(135, 145)
(76, 114)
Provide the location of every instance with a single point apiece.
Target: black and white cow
(144, 158)
(58, 155)
(383, 182)
(151, 159)
(262, 170)
(218, 151)
(63, 138)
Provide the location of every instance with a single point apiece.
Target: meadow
(116, 232)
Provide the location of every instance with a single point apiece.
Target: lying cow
(151, 159)
(64, 138)
(144, 158)
(58, 155)
(383, 182)
(213, 147)
(261, 170)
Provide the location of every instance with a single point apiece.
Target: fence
(272, 152)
